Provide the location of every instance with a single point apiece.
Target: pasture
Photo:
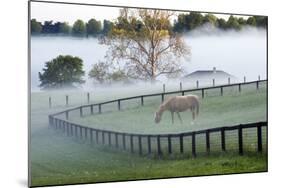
(62, 160)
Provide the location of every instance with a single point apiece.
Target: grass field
(56, 159)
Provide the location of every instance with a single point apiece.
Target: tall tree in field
(36, 27)
(63, 71)
(143, 44)
(79, 28)
(93, 27)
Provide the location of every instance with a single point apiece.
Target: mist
(238, 53)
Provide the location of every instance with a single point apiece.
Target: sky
(70, 13)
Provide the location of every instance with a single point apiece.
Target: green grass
(214, 112)
(57, 159)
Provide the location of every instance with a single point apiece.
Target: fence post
(102, 137)
(208, 142)
(109, 138)
(240, 140)
(124, 141)
(81, 111)
(91, 135)
(81, 136)
(76, 131)
(221, 91)
(88, 97)
(66, 100)
(162, 97)
(158, 146)
(119, 104)
(182, 93)
(99, 108)
(132, 143)
(228, 81)
(193, 145)
(202, 93)
(164, 89)
(97, 137)
(116, 140)
(142, 100)
(239, 87)
(214, 82)
(92, 109)
(259, 135)
(181, 143)
(257, 85)
(223, 139)
(67, 128)
(169, 144)
(140, 145)
(197, 84)
(244, 79)
(50, 102)
(180, 86)
(86, 133)
(149, 144)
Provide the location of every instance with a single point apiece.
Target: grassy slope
(215, 111)
(57, 159)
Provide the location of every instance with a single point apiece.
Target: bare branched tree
(143, 43)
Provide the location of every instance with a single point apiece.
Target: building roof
(208, 74)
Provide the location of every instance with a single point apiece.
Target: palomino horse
(178, 104)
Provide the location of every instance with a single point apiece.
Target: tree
(107, 27)
(64, 28)
(36, 27)
(241, 21)
(93, 27)
(261, 21)
(222, 23)
(99, 72)
(79, 28)
(193, 20)
(232, 23)
(102, 72)
(143, 44)
(63, 71)
(251, 21)
(210, 18)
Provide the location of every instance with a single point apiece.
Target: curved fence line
(162, 94)
(146, 142)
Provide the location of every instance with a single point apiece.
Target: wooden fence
(203, 89)
(143, 143)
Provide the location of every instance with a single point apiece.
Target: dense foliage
(63, 71)
(183, 23)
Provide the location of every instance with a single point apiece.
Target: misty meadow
(99, 89)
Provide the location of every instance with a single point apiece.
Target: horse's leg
(179, 117)
(172, 114)
(193, 115)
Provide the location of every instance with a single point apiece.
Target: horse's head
(157, 118)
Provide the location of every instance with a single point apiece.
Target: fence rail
(136, 144)
(162, 94)
(144, 143)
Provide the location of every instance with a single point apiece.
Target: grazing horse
(178, 104)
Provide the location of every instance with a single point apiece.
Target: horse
(178, 104)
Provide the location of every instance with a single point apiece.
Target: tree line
(79, 28)
(183, 23)
(142, 45)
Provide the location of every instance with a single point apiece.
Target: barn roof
(216, 74)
